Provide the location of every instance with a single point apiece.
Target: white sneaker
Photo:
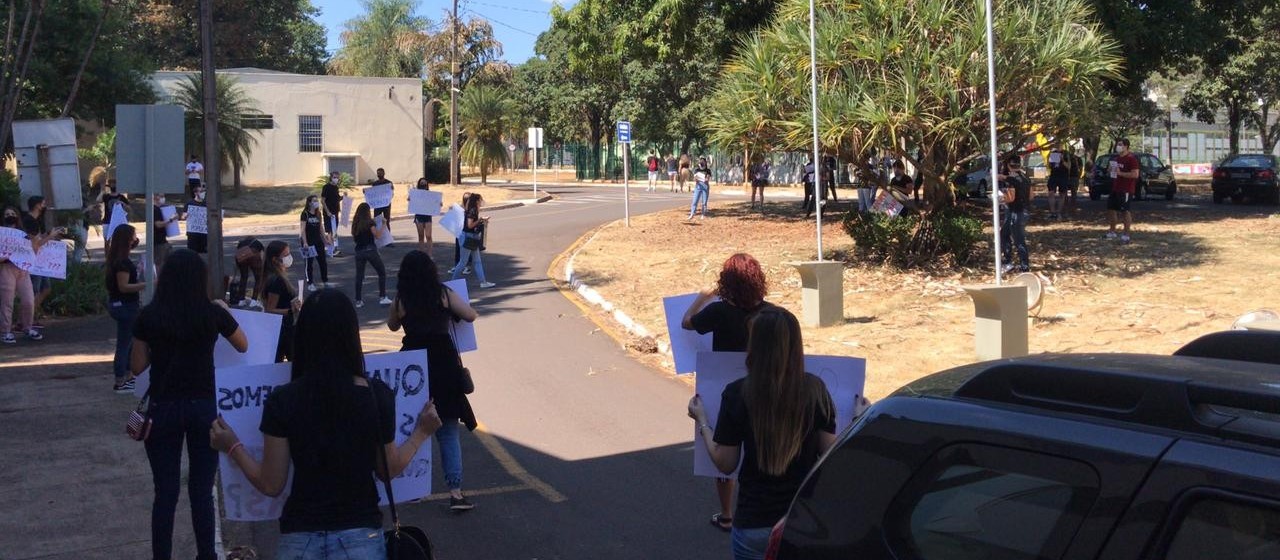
(1111, 235)
(384, 300)
(359, 303)
(312, 288)
(450, 271)
(487, 284)
(1124, 238)
(466, 270)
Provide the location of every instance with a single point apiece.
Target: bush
(10, 195)
(948, 236)
(344, 180)
(82, 293)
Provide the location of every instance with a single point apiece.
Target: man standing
(809, 175)
(195, 175)
(159, 232)
(1124, 183)
(1075, 169)
(1059, 181)
(1017, 197)
(652, 163)
(333, 206)
(33, 224)
(384, 211)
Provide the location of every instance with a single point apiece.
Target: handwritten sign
(379, 196)
(171, 229)
(197, 219)
(844, 376)
(386, 238)
(425, 203)
(307, 251)
(16, 247)
(346, 211)
(453, 220)
(685, 344)
(464, 332)
(51, 261)
(886, 204)
(242, 393)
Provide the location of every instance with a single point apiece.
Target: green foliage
(235, 142)
(103, 151)
(388, 40)
(10, 195)
(82, 293)
(344, 180)
(278, 35)
(948, 237)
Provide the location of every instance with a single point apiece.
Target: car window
(1103, 161)
(1155, 162)
(1220, 527)
(1149, 162)
(1258, 161)
(987, 503)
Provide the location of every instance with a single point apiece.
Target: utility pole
(213, 175)
(454, 170)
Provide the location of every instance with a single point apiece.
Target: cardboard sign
(15, 247)
(379, 196)
(464, 332)
(51, 261)
(119, 216)
(171, 229)
(685, 344)
(346, 211)
(242, 394)
(844, 376)
(425, 203)
(386, 238)
(886, 204)
(453, 220)
(197, 219)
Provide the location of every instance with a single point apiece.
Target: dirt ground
(1193, 268)
(271, 204)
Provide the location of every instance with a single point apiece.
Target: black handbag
(471, 240)
(403, 543)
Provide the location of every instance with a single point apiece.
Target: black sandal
(722, 523)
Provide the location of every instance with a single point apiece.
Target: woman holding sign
(279, 296)
(15, 280)
(313, 239)
(335, 426)
(174, 335)
(425, 308)
(777, 422)
(423, 221)
(365, 232)
(472, 240)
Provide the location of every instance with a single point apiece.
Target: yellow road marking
(514, 468)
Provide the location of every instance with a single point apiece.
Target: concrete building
(311, 125)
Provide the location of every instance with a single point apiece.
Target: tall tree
(485, 116)
(388, 40)
(235, 142)
(278, 35)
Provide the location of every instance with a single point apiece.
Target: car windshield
(1255, 161)
(1103, 160)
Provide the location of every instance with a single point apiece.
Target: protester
(701, 188)
(313, 239)
(198, 242)
(1075, 169)
(868, 184)
(652, 163)
(112, 202)
(741, 288)
(684, 174)
(159, 235)
(279, 295)
(34, 224)
(122, 299)
(1059, 181)
(473, 232)
(332, 197)
(423, 221)
(249, 258)
(672, 170)
(829, 178)
(384, 211)
(195, 175)
(901, 181)
(807, 204)
(1017, 197)
(331, 426)
(364, 233)
(777, 422)
(426, 309)
(1124, 183)
(174, 335)
(16, 281)
(759, 180)
(457, 245)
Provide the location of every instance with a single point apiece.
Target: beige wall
(378, 118)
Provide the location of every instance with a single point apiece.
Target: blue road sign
(624, 131)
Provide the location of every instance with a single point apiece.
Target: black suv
(1073, 456)
(1154, 176)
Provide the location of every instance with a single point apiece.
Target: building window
(310, 133)
(257, 122)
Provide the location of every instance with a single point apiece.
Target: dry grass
(1193, 268)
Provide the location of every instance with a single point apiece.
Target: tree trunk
(1233, 127)
(1267, 132)
(17, 73)
(746, 166)
(594, 160)
(235, 177)
(93, 41)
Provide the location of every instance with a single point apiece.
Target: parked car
(1250, 176)
(1154, 175)
(974, 179)
(1099, 456)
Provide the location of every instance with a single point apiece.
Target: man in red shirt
(1124, 183)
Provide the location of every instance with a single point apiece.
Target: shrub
(948, 236)
(9, 193)
(82, 293)
(344, 180)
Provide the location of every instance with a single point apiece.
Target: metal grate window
(257, 122)
(310, 133)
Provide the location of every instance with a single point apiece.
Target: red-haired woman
(741, 288)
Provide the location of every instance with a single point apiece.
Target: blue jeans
(124, 314)
(700, 191)
(465, 258)
(348, 544)
(173, 422)
(1014, 233)
(450, 452)
(749, 544)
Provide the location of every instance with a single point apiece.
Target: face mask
(287, 261)
(315, 205)
(199, 196)
(11, 220)
(159, 201)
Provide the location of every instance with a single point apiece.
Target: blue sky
(516, 23)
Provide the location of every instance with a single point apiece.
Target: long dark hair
(272, 269)
(306, 207)
(423, 184)
(181, 302)
(781, 399)
(326, 355)
(362, 220)
(418, 285)
(121, 244)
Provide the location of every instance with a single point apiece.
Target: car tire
(1273, 197)
(1218, 197)
(1170, 191)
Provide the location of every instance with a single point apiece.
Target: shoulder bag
(403, 542)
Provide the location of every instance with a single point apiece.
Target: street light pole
(991, 115)
(212, 159)
(454, 170)
(813, 101)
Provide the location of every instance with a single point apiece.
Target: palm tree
(235, 142)
(485, 116)
(387, 41)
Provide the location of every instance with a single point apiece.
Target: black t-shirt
(33, 225)
(1062, 169)
(332, 198)
(472, 215)
(313, 229)
(182, 366)
(726, 322)
(706, 175)
(198, 242)
(1021, 186)
(113, 290)
(901, 182)
(159, 236)
(278, 286)
(333, 483)
(364, 237)
(763, 499)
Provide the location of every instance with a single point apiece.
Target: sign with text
(15, 247)
(464, 332)
(844, 376)
(886, 204)
(51, 261)
(425, 203)
(624, 132)
(197, 219)
(685, 344)
(379, 196)
(242, 393)
(171, 229)
(453, 220)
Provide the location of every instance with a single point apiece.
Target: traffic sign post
(535, 142)
(624, 138)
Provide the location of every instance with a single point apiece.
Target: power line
(514, 9)
(511, 27)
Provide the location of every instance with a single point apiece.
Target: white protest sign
(425, 203)
(453, 220)
(844, 376)
(1055, 158)
(685, 344)
(307, 251)
(386, 238)
(263, 333)
(379, 196)
(15, 247)
(51, 261)
(171, 229)
(242, 394)
(886, 204)
(119, 216)
(197, 219)
(346, 210)
(464, 332)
